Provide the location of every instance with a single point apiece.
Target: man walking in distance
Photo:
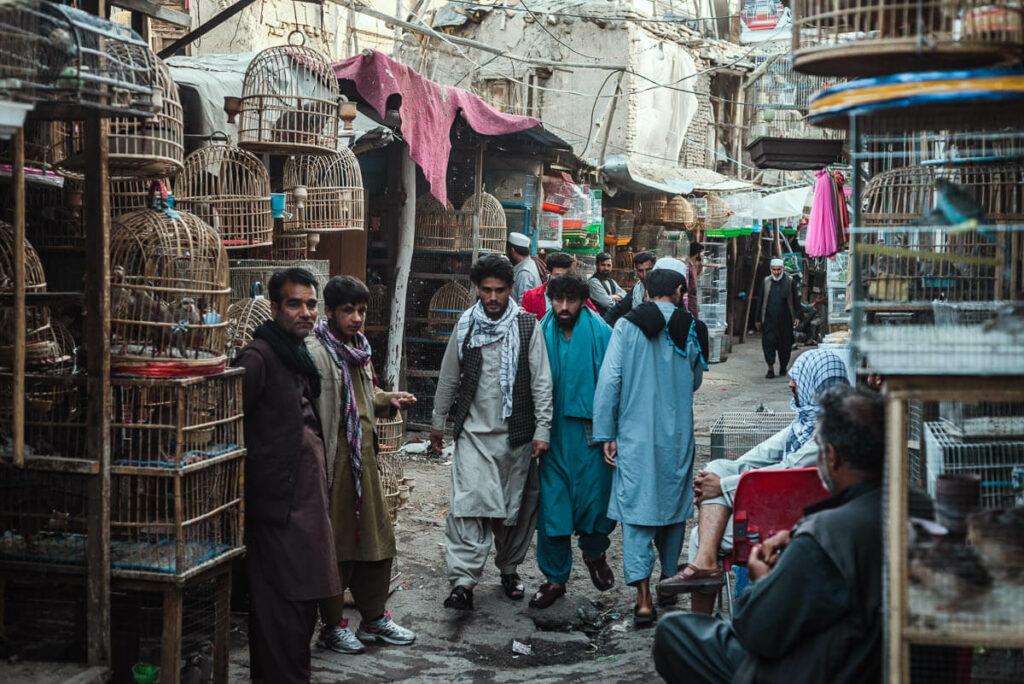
(291, 559)
(574, 480)
(495, 385)
(643, 412)
(349, 406)
(604, 291)
(694, 267)
(643, 262)
(779, 315)
(525, 274)
(536, 300)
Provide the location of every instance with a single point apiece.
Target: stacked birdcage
(244, 316)
(130, 193)
(871, 37)
(446, 307)
(247, 273)
(712, 291)
(735, 433)
(837, 282)
(436, 227)
(377, 309)
(390, 433)
(289, 105)
(326, 192)
(618, 226)
(229, 189)
(37, 318)
(779, 96)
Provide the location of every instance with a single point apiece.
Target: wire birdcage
(446, 307)
(618, 225)
(69, 62)
(37, 318)
(493, 225)
(712, 285)
(326, 192)
(229, 189)
(870, 37)
(436, 225)
(737, 432)
(243, 317)
(140, 148)
(169, 292)
(245, 273)
(290, 103)
(678, 212)
(987, 419)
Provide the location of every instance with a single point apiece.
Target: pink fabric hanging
(822, 226)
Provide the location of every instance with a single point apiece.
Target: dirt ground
(586, 636)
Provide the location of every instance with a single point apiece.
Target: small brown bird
(999, 538)
(186, 335)
(951, 572)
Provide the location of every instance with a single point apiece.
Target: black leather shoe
(461, 598)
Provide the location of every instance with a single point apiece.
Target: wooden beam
(155, 10)
(201, 30)
(897, 654)
(403, 263)
(18, 381)
(478, 189)
(97, 341)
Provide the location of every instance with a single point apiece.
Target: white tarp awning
(785, 204)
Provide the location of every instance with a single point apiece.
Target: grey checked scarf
(483, 331)
(345, 357)
(813, 372)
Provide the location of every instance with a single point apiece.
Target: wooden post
(738, 119)
(478, 188)
(170, 641)
(403, 262)
(898, 650)
(222, 627)
(750, 291)
(18, 381)
(97, 341)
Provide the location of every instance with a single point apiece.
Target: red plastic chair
(766, 502)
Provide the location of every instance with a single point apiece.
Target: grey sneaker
(385, 629)
(339, 640)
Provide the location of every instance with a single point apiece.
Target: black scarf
(292, 352)
(649, 319)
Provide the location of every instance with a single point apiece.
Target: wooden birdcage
(326, 192)
(53, 216)
(493, 224)
(42, 144)
(871, 37)
(69, 62)
(436, 225)
(446, 307)
(229, 189)
(903, 195)
(245, 273)
(678, 212)
(37, 318)
(389, 468)
(650, 208)
(147, 148)
(290, 103)
(244, 316)
(169, 293)
(285, 246)
(377, 310)
(389, 436)
(717, 212)
(128, 194)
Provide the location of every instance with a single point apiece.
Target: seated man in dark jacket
(813, 612)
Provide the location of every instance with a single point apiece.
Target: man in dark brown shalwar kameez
(291, 558)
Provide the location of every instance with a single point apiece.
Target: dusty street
(586, 636)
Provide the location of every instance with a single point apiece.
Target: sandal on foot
(600, 573)
(706, 581)
(645, 619)
(461, 598)
(513, 586)
(667, 600)
(547, 594)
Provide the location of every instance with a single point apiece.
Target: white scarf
(483, 331)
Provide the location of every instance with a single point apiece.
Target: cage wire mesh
(290, 103)
(446, 308)
(142, 148)
(130, 193)
(53, 216)
(244, 316)
(285, 246)
(325, 192)
(245, 273)
(678, 212)
(43, 619)
(55, 408)
(169, 291)
(735, 433)
(378, 308)
(779, 96)
(871, 37)
(493, 228)
(712, 284)
(229, 189)
(436, 226)
(61, 58)
(37, 318)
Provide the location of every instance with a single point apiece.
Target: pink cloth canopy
(428, 111)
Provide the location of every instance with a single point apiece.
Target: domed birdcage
(717, 212)
(69, 62)
(243, 317)
(169, 294)
(436, 226)
(285, 246)
(148, 148)
(900, 196)
(872, 37)
(678, 212)
(37, 318)
(325, 192)
(493, 225)
(446, 307)
(229, 189)
(290, 103)
(128, 194)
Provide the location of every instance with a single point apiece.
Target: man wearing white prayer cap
(525, 272)
(779, 315)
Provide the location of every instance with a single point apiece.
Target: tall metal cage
(290, 103)
(869, 37)
(70, 63)
(325, 191)
(229, 189)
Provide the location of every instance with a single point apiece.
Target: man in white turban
(779, 315)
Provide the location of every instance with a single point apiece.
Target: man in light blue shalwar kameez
(643, 412)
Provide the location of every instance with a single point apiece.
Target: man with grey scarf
(495, 389)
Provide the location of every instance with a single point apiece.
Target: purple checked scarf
(345, 357)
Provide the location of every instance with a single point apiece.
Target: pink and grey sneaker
(384, 629)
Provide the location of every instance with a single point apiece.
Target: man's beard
(568, 324)
(777, 278)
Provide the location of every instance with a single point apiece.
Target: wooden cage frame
(37, 318)
(290, 103)
(446, 307)
(679, 212)
(325, 192)
(244, 316)
(493, 224)
(229, 189)
(436, 225)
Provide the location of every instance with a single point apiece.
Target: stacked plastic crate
(837, 270)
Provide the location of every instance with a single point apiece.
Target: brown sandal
(547, 594)
(704, 581)
(600, 572)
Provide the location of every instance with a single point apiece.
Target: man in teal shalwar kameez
(575, 482)
(643, 412)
